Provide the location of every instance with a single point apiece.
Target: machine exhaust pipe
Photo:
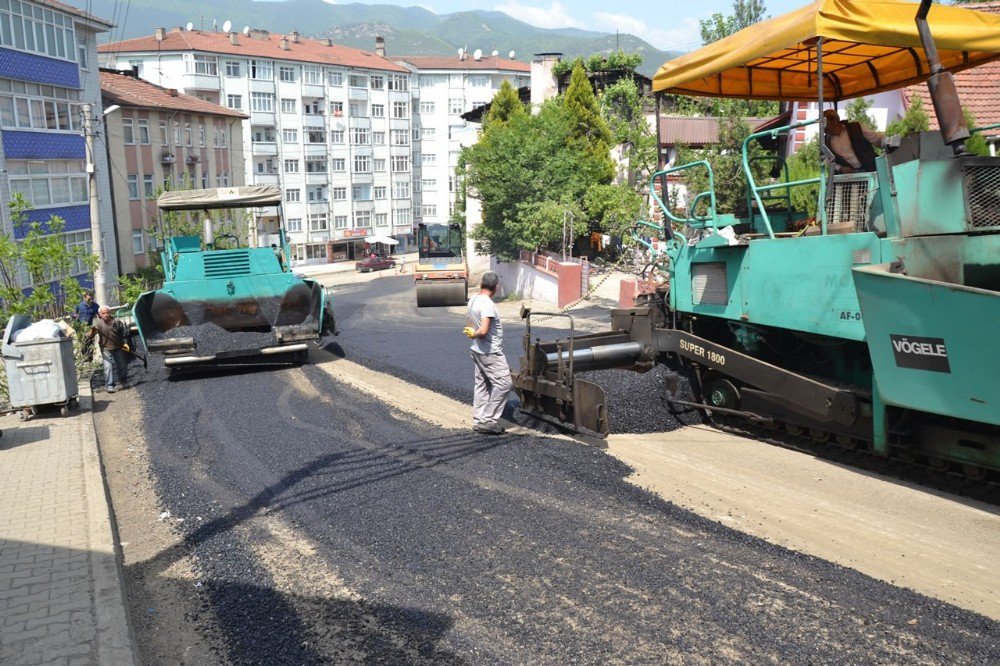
(944, 95)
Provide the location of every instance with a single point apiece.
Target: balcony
(270, 178)
(168, 158)
(264, 148)
(313, 121)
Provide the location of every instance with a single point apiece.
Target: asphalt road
(327, 525)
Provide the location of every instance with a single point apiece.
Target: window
(400, 137)
(400, 110)
(177, 134)
(291, 166)
(206, 64)
(334, 78)
(262, 134)
(286, 74)
(338, 164)
(379, 191)
(429, 210)
(315, 136)
(378, 110)
(262, 70)
(340, 222)
(164, 135)
(315, 251)
(358, 109)
(222, 178)
(340, 194)
(336, 136)
(479, 80)
(234, 101)
(456, 80)
(223, 134)
(138, 244)
(362, 164)
(381, 219)
(400, 163)
(148, 191)
(312, 75)
(402, 217)
(187, 134)
(361, 192)
(143, 131)
(316, 194)
(288, 105)
(363, 219)
(201, 135)
(336, 109)
(266, 166)
(399, 82)
(316, 165)
(81, 51)
(357, 81)
(204, 180)
(429, 159)
(293, 224)
(317, 222)
(428, 133)
(378, 138)
(360, 136)
(427, 107)
(133, 187)
(416, 185)
(290, 136)
(455, 106)
(128, 133)
(429, 80)
(378, 164)
(313, 108)
(136, 66)
(429, 184)
(401, 189)
(293, 195)
(233, 68)
(377, 82)
(39, 30)
(263, 102)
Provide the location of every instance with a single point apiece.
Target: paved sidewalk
(61, 594)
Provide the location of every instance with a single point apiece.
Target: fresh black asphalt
(466, 548)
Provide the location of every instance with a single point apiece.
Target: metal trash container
(39, 372)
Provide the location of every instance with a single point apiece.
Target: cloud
(554, 16)
(684, 36)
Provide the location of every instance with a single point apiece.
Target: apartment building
(48, 69)
(444, 89)
(329, 124)
(158, 137)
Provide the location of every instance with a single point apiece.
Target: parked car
(375, 263)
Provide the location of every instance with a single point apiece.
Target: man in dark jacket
(87, 309)
(851, 143)
(113, 335)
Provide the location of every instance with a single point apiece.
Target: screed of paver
(909, 536)
(941, 546)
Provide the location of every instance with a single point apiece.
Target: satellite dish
(461, 52)
(227, 26)
(495, 53)
(477, 54)
(246, 31)
(511, 55)
(189, 27)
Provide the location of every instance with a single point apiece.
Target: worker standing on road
(492, 374)
(112, 334)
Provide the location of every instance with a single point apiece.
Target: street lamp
(567, 229)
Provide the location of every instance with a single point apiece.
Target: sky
(669, 25)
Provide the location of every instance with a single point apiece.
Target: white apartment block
(329, 124)
(444, 89)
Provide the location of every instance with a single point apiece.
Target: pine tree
(506, 104)
(589, 129)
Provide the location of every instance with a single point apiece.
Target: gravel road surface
(327, 525)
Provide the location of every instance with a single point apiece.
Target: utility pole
(96, 239)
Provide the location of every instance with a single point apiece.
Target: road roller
(442, 274)
(223, 304)
(872, 325)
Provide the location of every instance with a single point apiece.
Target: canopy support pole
(823, 163)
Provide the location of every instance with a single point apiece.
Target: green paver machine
(876, 326)
(221, 303)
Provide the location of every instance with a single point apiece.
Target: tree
(614, 207)
(975, 144)
(506, 104)
(622, 107)
(588, 129)
(745, 13)
(47, 261)
(804, 164)
(857, 112)
(914, 120)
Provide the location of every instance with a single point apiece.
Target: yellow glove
(469, 332)
(126, 347)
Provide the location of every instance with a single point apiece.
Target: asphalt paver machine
(875, 327)
(442, 273)
(225, 304)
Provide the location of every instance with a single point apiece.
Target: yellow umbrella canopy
(868, 46)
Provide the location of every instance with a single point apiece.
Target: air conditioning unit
(167, 158)
(191, 159)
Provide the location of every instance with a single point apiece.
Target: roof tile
(127, 90)
(453, 63)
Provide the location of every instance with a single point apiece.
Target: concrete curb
(115, 639)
